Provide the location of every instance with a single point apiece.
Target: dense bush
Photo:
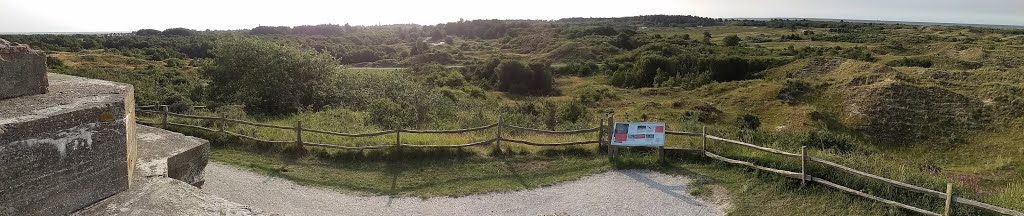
(731, 40)
(402, 91)
(578, 68)
(656, 70)
(748, 121)
(271, 78)
(513, 76)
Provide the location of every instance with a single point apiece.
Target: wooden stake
(220, 123)
(497, 134)
(164, 119)
(600, 133)
(661, 154)
(803, 165)
(704, 142)
(398, 140)
(298, 135)
(611, 134)
(949, 199)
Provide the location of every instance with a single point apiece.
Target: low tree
(147, 32)
(731, 40)
(270, 78)
(178, 32)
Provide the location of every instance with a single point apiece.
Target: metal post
(163, 120)
(949, 199)
(497, 135)
(803, 165)
(298, 135)
(704, 142)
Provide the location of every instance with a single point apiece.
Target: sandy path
(621, 192)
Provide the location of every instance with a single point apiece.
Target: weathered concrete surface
(65, 149)
(22, 70)
(172, 154)
(164, 196)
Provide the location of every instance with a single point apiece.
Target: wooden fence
(300, 130)
(601, 129)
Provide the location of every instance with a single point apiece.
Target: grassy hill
(925, 105)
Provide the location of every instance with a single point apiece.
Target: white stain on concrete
(75, 138)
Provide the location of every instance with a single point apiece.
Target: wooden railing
(299, 130)
(804, 177)
(601, 129)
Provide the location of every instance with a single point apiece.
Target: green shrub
(578, 68)
(793, 91)
(731, 40)
(514, 76)
(390, 115)
(271, 78)
(748, 121)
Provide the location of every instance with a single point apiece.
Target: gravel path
(622, 192)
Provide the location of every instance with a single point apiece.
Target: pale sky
(130, 15)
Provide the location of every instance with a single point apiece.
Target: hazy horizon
(127, 16)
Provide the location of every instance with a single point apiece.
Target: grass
(459, 172)
(749, 192)
(985, 165)
(420, 178)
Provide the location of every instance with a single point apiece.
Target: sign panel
(639, 134)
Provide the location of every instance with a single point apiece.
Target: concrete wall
(22, 70)
(171, 154)
(65, 149)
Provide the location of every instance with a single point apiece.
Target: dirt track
(622, 192)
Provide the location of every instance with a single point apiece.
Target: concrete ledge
(171, 154)
(22, 70)
(165, 196)
(65, 149)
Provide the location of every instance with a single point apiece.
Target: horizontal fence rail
(802, 175)
(451, 131)
(348, 134)
(554, 132)
(398, 143)
(550, 144)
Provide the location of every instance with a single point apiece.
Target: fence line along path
(601, 129)
(299, 130)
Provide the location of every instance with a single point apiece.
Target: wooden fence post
(600, 133)
(220, 123)
(398, 140)
(704, 142)
(803, 165)
(163, 120)
(298, 135)
(661, 154)
(949, 198)
(497, 135)
(611, 135)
